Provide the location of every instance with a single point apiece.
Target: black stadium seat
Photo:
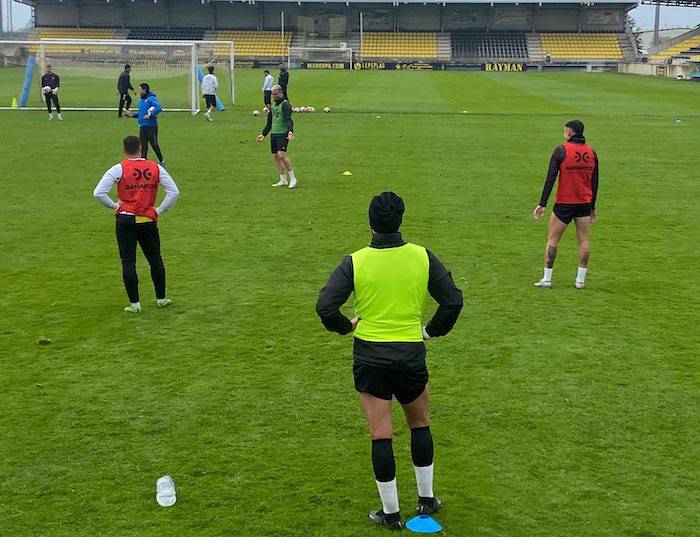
(507, 45)
(177, 34)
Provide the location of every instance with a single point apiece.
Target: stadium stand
(575, 46)
(548, 35)
(256, 44)
(410, 45)
(492, 46)
(167, 34)
(684, 48)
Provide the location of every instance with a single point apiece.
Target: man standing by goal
(281, 127)
(137, 182)
(124, 87)
(147, 116)
(210, 85)
(576, 164)
(283, 80)
(267, 89)
(49, 87)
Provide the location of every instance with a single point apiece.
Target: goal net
(89, 69)
(301, 55)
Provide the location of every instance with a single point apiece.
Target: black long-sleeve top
(124, 82)
(283, 79)
(341, 284)
(286, 115)
(51, 80)
(555, 162)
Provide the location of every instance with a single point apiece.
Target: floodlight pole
(657, 19)
(361, 35)
(282, 47)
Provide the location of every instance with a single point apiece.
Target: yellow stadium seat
(581, 46)
(254, 43)
(399, 45)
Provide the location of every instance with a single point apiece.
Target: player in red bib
(137, 182)
(576, 164)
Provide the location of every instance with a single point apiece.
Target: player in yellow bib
(391, 279)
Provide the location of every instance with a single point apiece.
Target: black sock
(383, 460)
(422, 446)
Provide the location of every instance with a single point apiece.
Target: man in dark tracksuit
(49, 86)
(283, 80)
(123, 87)
(390, 280)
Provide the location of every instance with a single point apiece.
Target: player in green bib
(391, 279)
(281, 129)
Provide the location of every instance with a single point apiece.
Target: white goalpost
(89, 68)
(319, 54)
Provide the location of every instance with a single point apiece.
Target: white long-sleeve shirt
(114, 175)
(269, 82)
(209, 84)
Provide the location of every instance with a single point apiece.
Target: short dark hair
(146, 87)
(210, 68)
(266, 71)
(127, 66)
(576, 125)
(131, 145)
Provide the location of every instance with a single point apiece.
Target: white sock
(136, 304)
(389, 495)
(548, 274)
(59, 115)
(581, 276)
(51, 114)
(424, 480)
(291, 175)
(283, 178)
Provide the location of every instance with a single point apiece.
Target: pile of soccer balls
(297, 109)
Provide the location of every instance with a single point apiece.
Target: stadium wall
(319, 17)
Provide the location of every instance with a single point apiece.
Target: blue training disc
(423, 524)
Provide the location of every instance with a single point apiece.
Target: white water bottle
(165, 491)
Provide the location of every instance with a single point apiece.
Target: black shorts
(405, 382)
(278, 142)
(267, 97)
(568, 211)
(210, 100)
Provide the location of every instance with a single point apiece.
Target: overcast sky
(671, 17)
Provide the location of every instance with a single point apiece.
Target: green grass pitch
(555, 413)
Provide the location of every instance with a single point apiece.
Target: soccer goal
(299, 55)
(89, 69)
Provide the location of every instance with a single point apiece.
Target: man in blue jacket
(147, 116)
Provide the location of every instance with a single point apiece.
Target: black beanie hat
(385, 212)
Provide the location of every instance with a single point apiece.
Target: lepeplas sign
(505, 67)
(393, 66)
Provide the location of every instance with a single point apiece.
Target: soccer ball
(295, 109)
(327, 109)
(311, 109)
(266, 109)
(46, 89)
(304, 109)
(256, 113)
